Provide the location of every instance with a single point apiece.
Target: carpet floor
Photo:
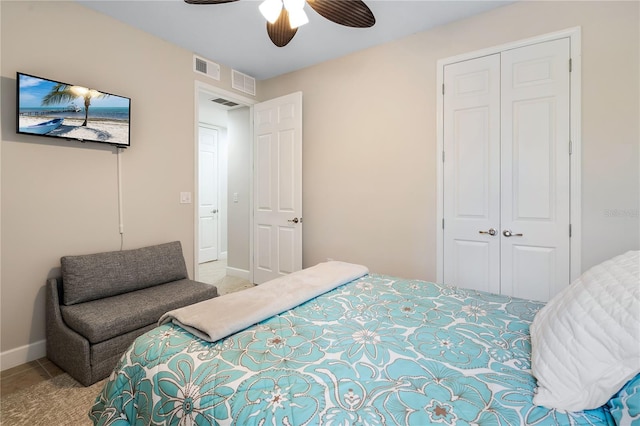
(59, 401)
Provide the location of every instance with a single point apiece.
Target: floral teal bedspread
(376, 351)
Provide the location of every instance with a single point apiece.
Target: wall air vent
(205, 67)
(243, 82)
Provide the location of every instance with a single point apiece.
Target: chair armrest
(66, 348)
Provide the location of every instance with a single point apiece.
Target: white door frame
(241, 100)
(574, 35)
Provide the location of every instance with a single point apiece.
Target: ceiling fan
(285, 16)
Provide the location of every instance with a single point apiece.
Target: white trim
(23, 354)
(439, 170)
(569, 32)
(575, 36)
(241, 100)
(210, 127)
(240, 273)
(252, 132)
(232, 96)
(575, 133)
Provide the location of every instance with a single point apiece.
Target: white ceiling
(234, 34)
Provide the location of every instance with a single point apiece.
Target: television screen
(60, 110)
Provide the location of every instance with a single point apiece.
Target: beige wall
(369, 176)
(60, 197)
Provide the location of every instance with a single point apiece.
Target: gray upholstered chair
(104, 301)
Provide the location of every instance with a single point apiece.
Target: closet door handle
(491, 232)
(508, 233)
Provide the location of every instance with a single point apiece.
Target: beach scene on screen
(52, 108)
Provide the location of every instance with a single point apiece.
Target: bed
(375, 350)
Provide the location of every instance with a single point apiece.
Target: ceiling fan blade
(208, 1)
(280, 32)
(351, 13)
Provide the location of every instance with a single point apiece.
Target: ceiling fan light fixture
(271, 9)
(292, 5)
(297, 18)
(285, 16)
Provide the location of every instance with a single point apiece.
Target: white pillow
(585, 343)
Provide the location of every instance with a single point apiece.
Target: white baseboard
(23, 354)
(235, 272)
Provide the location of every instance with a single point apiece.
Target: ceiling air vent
(224, 102)
(243, 82)
(205, 67)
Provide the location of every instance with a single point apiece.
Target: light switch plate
(185, 198)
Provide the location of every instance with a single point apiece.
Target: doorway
(222, 234)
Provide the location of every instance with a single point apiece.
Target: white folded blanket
(219, 317)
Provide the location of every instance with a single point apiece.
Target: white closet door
(535, 170)
(506, 172)
(472, 174)
(208, 210)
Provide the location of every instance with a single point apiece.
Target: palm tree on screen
(64, 93)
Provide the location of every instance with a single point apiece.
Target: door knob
(508, 233)
(491, 232)
(214, 211)
(294, 220)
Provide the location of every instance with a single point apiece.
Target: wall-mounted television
(61, 110)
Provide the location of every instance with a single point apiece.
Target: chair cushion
(100, 320)
(96, 276)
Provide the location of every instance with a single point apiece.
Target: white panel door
(208, 194)
(278, 187)
(506, 172)
(472, 174)
(535, 170)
